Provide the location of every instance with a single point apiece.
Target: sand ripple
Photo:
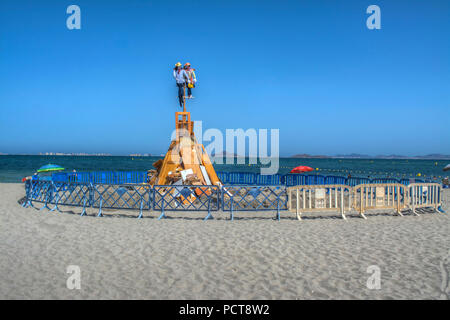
(187, 258)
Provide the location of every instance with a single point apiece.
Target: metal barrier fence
(363, 197)
(354, 181)
(424, 195)
(71, 194)
(129, 196)
(320, 198)
(379, 196)
(232, 198)
(268, 179)
(40, 191)
(248, 178)
(303, 179)
(157, 198)
(103, 177)
(254, 198)
(186, 198)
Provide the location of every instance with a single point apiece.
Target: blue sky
(309, 68)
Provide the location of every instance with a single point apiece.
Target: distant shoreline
(436, 157)
(380, 157)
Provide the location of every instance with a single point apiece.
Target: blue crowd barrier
(384, 180)
(105, 177)
(293, 179)
(229, 197)
(354, 181)
(84, 177)
(186, 198)
(119, 196)
(71, 194)
(254, 198)
(158, 197)
(245, 178)
(223, 176)
(335, 180)
(60, 177)
(268, 179)
(241, 178)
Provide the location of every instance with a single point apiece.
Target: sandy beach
(253, 257)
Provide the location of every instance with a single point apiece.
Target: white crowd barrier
(363, 197)
(320, 198)
(424, 195)
(379, 196)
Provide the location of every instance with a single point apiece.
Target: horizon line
(430, 156)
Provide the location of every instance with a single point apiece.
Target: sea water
(14, 167)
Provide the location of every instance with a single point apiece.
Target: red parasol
(301, 169)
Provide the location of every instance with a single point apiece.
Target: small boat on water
(447, 167)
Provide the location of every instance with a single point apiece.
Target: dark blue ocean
(13, 168)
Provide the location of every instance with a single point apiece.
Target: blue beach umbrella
(50, 168)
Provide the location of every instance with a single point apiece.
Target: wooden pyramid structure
(186, 162)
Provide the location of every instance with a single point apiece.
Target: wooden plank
(190, 158)
(209, 167)
(205, 175)
(169, 164)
